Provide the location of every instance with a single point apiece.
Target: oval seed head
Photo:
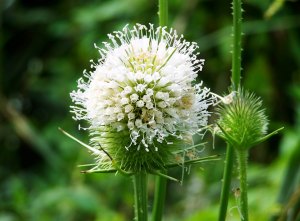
(140, 100)
(243, 119)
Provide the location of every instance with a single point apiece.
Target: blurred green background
(45, 46)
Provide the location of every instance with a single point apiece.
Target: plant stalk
(236, 78)
(242, 160)
(226, 182)
(163, 13)
(159, 197)
(140, 196)
(237, 43)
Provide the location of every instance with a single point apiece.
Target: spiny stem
(236, 78)
(163, 13)
(159, 197)
(242, 160)
(226, 182)
(237, 42)
(140, 196)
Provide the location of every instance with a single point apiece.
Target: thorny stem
(237, 43)
(226, 182)
(159, 197)
(163, 13)
(242, 160)
(140, 196)
(236, 78)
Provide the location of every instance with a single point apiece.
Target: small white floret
(120, 116)
(127, 89)
(124, 100)
(140, 103)
(152, 123)
(149, 105)
(146, 98)
(134, 98)
(117, 110)
(140, 87)
(162, 104)
(138, 123)
(130, 125)
(159, 95)
(128, 108)
(131, 116)
(149, 91)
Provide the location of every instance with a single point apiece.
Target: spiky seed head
(242, 119)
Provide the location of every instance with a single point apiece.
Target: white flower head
(144, 77)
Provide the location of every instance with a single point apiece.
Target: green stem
(163, 13)
(237, 43)
(242, 160)
(159, 197)
(236, 78)
(140, 196)
(226, 182)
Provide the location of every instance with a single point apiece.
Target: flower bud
(242, 121)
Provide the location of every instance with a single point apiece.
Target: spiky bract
(242, 120)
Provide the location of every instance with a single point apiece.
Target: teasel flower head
(242, 121)
(140, 100)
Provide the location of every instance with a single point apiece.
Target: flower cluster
(140, 97)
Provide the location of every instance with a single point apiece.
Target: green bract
(135, 159)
